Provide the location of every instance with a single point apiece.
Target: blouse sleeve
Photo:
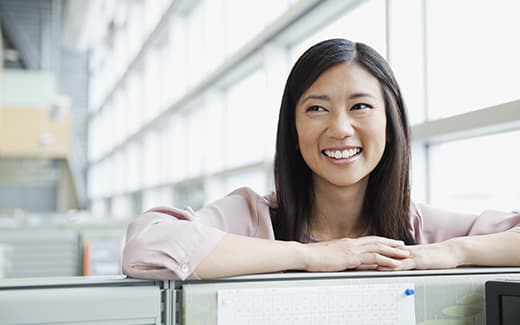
(431, 225)
(169, 243)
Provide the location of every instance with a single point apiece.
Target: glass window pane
(215, 126)
(243, 20)
(121, 206)
(196, 50)
(366, 23)
(473, 52)
(135, 162)
(196, 137)
(150, 159)
(254, 179)
(406, 53)
(178, 151)
(476, 174)
(246, 121)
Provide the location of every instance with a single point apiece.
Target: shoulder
(250, 195)
(246, 204)
(431, 224)
(242, 211)
(246, 196)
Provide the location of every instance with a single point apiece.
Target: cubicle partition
(399, 298)
(61, 250)
(440, 297)
(81, 300)
(39, 251)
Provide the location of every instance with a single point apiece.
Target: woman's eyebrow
(358, 95)
(318, 97)
(327, 98)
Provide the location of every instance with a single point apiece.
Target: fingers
(379, 260)
(380, 252)
(365, 253)
(380, 240)
(389, 251)
(406, 264)
(380, 247)
(367, 267)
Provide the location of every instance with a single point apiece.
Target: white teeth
(338, 154)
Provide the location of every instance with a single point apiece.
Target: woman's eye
(360, 106)
(315, 108)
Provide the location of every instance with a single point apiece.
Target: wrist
(460, 248)
(298, 254)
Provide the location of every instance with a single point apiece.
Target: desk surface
(362, 274)
(123, 280)
(20, 283)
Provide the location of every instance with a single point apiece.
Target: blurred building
(43, 166)
(43, 105)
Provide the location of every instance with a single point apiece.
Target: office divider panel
(40, 251)
(398, 298)
(441, 297)
(81, 300)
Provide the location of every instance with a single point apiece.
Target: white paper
(377, 304)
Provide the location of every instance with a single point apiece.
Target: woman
(342, 197)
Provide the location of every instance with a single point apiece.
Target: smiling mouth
(342, 154)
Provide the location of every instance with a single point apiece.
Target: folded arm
(239, 255)
(499, 249)
(223, 254)
(449, 240)
(234, 237)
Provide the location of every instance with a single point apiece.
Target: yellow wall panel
(32, 132)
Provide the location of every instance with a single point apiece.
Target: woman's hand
(441, 255)
(369, 252)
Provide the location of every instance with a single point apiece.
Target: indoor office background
(109, 108)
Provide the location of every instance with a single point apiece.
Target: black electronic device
(503, 302)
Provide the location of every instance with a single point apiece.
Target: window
(152, 83)
(406, 54)
(473, 53)
(151, 158)
(365, 23)
(243, 20)
(215, 131)
(197, 139)
(476, 174)
(254, 179)
(176, 67)
(135, 107)
(134, 167)
(246, 121)
(178, 149)
(196, 45)
(122, 206)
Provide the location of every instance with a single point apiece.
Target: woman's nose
(340, 126)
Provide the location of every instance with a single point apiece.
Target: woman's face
(341, 125)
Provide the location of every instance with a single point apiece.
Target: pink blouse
(177, 240)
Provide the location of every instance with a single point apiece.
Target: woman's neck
(338, 211)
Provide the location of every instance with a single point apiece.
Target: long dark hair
(387, 199)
